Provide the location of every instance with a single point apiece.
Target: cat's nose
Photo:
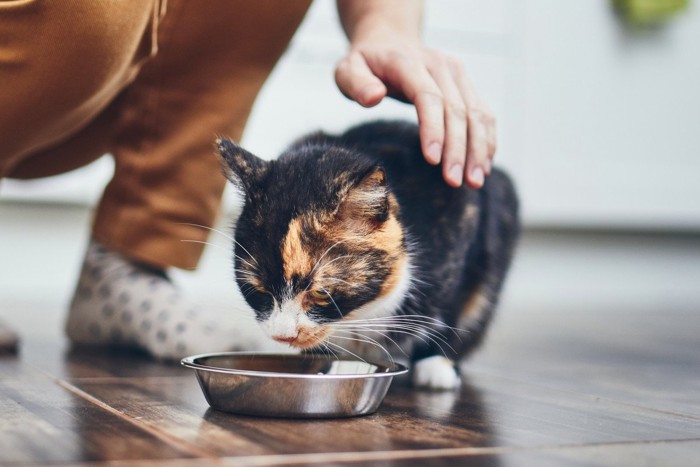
(285, 339)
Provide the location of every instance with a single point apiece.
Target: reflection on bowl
(300, 386)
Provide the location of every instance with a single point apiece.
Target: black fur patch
(460, 241)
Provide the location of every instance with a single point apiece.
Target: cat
(354, 243)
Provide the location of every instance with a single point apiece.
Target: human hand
(456, 126)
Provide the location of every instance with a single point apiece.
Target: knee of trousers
(62, 64)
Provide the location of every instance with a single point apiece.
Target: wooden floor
(583, 380)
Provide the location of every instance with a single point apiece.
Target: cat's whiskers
(245, 273)
(248, 279)
(331, 352)
(426, 332)
(325, 265)
(229, 237)
(343, 349)
(363, 329)
(414, 320)
(366, 340)
(369, 339)
(249, 289)
(340, 313)
(419, 333)
(413, 332)
(324, 255)
(422, 333)
(420, 320)
(405, 326)
(335, 279)
(323, 348)
(356, 286)
(202, 242)
(223, 234)
(220, 248)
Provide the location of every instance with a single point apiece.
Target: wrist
(372, 20)
(377, 29)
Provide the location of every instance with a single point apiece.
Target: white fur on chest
(389, 303)
(362, 332)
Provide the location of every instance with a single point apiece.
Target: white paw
(435, 373)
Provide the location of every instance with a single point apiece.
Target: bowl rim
(393, 368)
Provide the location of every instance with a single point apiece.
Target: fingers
(356, 81)
(410, 79)
(491, 138)
(481, 129)
(431, 124)
(359, 81)
(456, 127)
(456, 124)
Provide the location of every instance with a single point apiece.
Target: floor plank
(182, 411)
(640, 357)
(59, 359)
(594, 361)
(668, 454)
(489, 411)
(43, 423)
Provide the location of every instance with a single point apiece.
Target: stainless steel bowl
(299, 386)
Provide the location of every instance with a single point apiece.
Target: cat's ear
(241, 167)
(367, 201)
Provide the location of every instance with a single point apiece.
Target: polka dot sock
(122, 303)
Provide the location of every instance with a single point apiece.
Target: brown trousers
(150, 85)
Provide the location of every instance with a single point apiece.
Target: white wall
(597, 124)
(608, 119)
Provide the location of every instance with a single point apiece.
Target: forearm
(365, 19)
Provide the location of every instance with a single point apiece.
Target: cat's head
(319, 240)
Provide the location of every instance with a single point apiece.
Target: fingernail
(434, 153)
(455, 174)
(488, 165)
(477, 176)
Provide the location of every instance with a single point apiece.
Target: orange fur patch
(295, 258)
(356, 232)
(389, 237)
(473, 309)
(311, 338)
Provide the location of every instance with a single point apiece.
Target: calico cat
(354, 243)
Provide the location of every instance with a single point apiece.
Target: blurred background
(599, 124)
(598, 119)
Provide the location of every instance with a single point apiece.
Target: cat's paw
(435, 373)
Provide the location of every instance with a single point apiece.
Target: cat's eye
(319, 295)
(258, 298)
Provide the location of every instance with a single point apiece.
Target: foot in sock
(120, 302)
